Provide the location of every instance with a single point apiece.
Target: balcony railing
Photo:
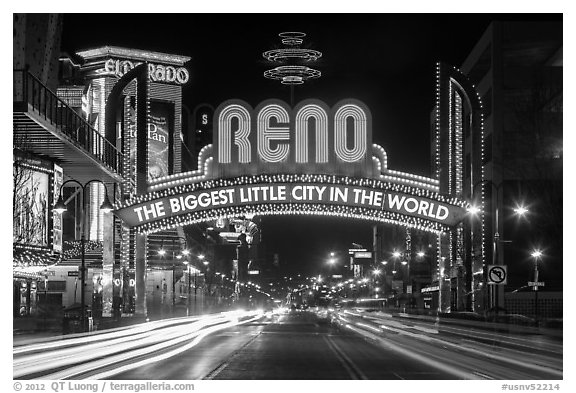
(28, 89)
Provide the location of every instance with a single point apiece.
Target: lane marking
(214, 373)
(348, 364)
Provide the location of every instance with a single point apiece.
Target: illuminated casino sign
(156, 72)
(306, 160)
(312, 138)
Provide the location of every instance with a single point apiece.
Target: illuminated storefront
(36, 231)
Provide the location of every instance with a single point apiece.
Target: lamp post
(384, 263)
(162, 252)
(493, 293)
(332, 259)
(60, 208)
(173, 283)
(376, 273)
(201, 259)
(536, 254)
(520, 210)
(188, 292)
(332, 262)
(416, 281)
(406, 280)
(396, 256)
(45, 296)
(184, 252)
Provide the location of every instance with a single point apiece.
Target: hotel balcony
(47, 126)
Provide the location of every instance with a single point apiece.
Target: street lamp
(536, 254)
(201, 258)
(188, 297)
(186, 252)
(332, 260)
(396, 255)
(162, 252)
(406, 275)
(520, 210)
(60, 208)
(384, 263)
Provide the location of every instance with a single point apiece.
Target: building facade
(52, 143)
(497, 143)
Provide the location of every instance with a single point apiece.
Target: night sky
(385, 60)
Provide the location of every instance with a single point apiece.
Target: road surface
(296, 346)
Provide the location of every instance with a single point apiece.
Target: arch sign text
(311, 159)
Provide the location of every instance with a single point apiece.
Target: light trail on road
(85, 354)
(343, 344)
(459, 351)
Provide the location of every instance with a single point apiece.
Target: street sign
(497, 274)
(253, 272)
(73, 273)
(362, 254)
(535, 284)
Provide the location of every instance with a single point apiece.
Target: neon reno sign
(312, 138)
(310, 160)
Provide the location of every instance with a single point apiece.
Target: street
(296, 345)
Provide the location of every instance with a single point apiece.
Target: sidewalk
(29, 329)
(446, 319)
(25, 338)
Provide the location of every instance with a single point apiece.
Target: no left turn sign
(497, 274)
